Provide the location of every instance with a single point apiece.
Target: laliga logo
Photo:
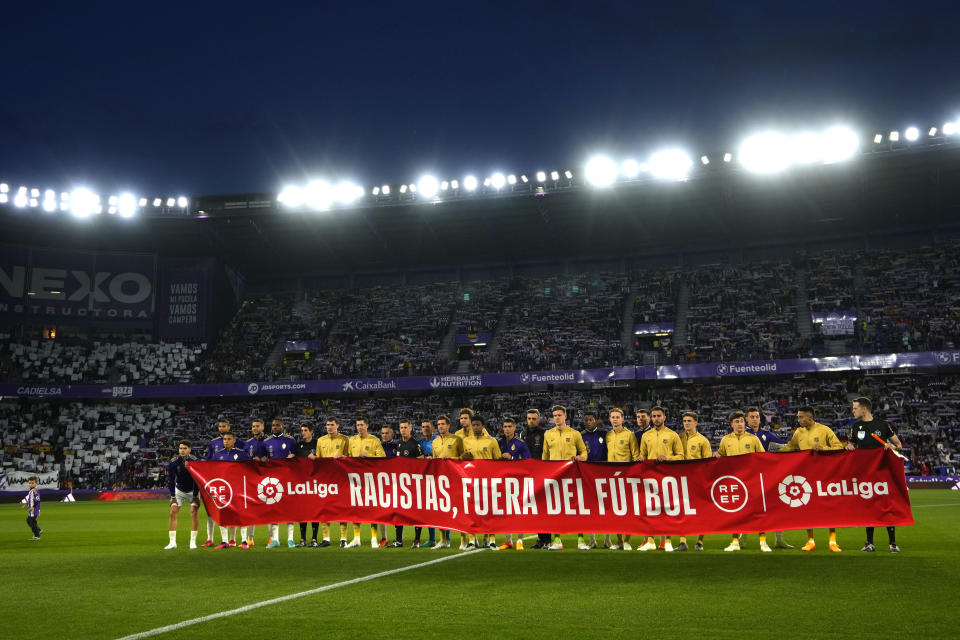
(722, 369)
(270, 490)
(253, 387)
(524, 378)
(221, 492)
(794, 491)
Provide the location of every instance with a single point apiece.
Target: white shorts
(186, 498)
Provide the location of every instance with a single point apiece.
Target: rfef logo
(270, 490)
(794, 491)
(220, 491)
(729, 493)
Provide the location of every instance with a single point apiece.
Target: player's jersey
(427, 447)
(409, 449)
(367, 446)
(696, 446)
(215, 445)
(534, 440)
(767, 437)
(233, 455)
(622, 446)
(805, 438)
(661, 442)
(483, 448)
(331, 446)
(279, 446)
(389, 449)
(563, 444)
(516, 447)
(448, 446)
(304, 449)
(596, 443)
(253, 448)
(33, 502)
(734, 445)
(179, 478)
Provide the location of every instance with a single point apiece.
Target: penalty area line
(294, 596)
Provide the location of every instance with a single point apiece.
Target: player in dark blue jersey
(277, 447)
(254, 449)
(512, 448)
(229, 453)
(767, 439)
(595, 438)
(223, 426)
(183, 490)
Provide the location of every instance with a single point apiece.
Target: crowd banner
(758, 492)
(835, 323)
(17, 480)
(949, 358)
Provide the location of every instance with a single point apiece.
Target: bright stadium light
(894, 136)
(911, 134)
(839, 144)
(126, 205)
(766, 152)
(112, 200)
(385, 190)
(142, 202)
(877, 139)
(34, 193)
(454, 184)
(413, 188)
(497, 180)
(704, 160)
(932, 132)
(554, 175)
(375, 191)
(727, 157)
(428, 186)
(34, 202)
(511, 179)
(524, 179)
(541, 176)
(949, 128)
(50, 200)
(4, 197)
(4, 187)
(182, 202)
(173, 201)
(346, 192)
(111, 209)
(318, 195)
(670, 164)
(470, 183)
(290, 195)
(445, 185)
(64, 206)
(403, 188)
(601, 171)
(807, 148)
(83, 202)
(569, 174)
(21, 200)
(486, 182)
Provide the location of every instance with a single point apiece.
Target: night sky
(198, 98)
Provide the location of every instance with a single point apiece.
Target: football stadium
(670, 391)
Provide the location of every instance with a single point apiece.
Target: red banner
(758, 492)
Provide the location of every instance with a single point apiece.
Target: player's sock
(869, 535)
(224, 535)
(303, 530)
(173, 536)
(892, 534)
(243, 534)
(343, 530)
(289, 532)
(209, 528)
(763, 538)
(683, 539)
(274, 532)
(193, 537)
(326, 531)
(356, 530)
(833, 537)
(779, 537)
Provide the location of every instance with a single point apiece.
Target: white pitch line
(294, 596)
(945, 504)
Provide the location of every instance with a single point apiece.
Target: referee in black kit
(305, 448)
(861, 437)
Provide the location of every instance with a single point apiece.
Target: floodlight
(142, 202)
(670, 164)
(126, 205)
(486, 182)
(541, 176)
(111, 210)
(82, 202)
(704, 160)
(318, 195)
(428, 186)
(497, 180)
(807, 148)
(932, 132)
(34, 202)
(112, 200)
(98, 209)
(524, 178)
(727, 157)
(569, 174)
(4, 197)
(172, 201)
(375, 191)
(445, 185)
(766, 152)
(290, 196)
(554, 175)
(894, 136)
(511, 179)
(911, 134)
(413, 188)
(949, 128)
(839, 144)
(600, 171)
(403, 188)
(877, 139)
(50, 200)
(64, 206)
(346, 192)
(34, 193)
(4, 187)
(385, 190)
(21, 200)
(454, 184)
(182, 202)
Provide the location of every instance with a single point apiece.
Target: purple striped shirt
(33, 502)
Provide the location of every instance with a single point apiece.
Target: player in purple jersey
(512, 448)
(277, 447)
(254, 448)
(32, 504)
(183, 490)
(223, 426)
(595, 438)
(229, 453)
(767, 439)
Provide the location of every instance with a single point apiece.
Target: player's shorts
(186, 498)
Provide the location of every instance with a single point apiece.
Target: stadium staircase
(448, 346)
(804, 323)
(494, 349)
(683, 305)
(626, 336)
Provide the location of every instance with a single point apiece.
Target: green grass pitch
(100, 572)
